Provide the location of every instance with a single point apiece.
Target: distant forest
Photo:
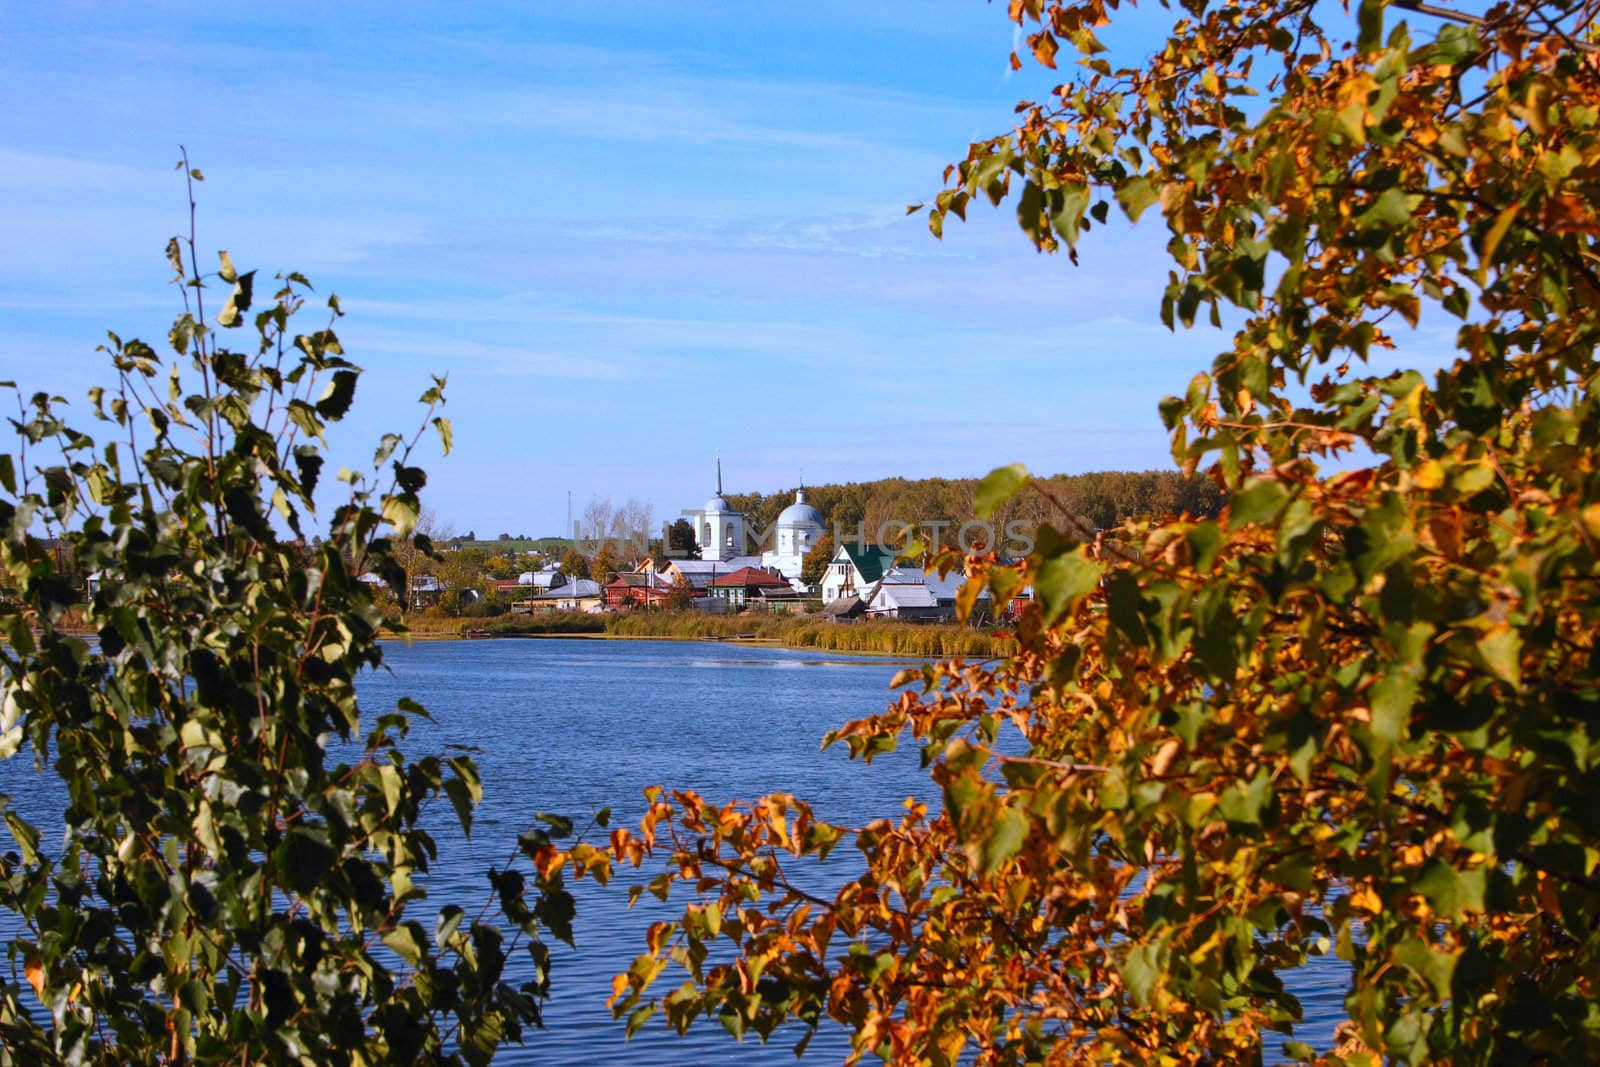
(1104, 498)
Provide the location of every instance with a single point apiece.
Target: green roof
(870, 561)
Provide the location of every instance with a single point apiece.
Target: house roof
(944, 588)
(706, 566)
(699, 572)
(582, 587)
(870, 561)
(749, 577)
(639, 580)
(844, 606)
(890, 597)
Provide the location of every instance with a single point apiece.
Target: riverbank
(889, 638)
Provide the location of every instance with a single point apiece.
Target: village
(732, 568)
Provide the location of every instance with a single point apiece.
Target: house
(1019, 603)
(507, 588)
(853, 568)
(912, 593)
(633, 589)
(908, 601)
(426, 591)
(542, 580)
(698, 574)
(744, 586)
(790, 601)
(580, 594)
(845, 609)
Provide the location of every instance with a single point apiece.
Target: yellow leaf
(1428, 475)
(1362, 898)
(1497, 232)
(1590, 517)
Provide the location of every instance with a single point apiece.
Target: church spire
(719, 472)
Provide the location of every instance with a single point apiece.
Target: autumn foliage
(1353, 715)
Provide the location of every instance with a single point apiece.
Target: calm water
(571, 725)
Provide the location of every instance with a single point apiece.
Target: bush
(227, 890)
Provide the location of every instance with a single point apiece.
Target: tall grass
(896, 638)
(890, 638)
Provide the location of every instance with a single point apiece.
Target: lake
(569, 726)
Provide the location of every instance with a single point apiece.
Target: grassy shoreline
(886, 638)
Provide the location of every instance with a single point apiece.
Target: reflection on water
(567, 727)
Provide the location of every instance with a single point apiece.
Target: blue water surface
(569, 726)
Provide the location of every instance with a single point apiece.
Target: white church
(720, 535)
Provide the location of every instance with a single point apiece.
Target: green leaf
(401, 512)
(406, 941)
(238, 302)
(1451, 892)
(1135, 195)
(336, 398)
(389, 780)
(997, 487)
(1061, 580)
(1391, 210)
(460, 799)
(26, 837)
(1392, 698)
(1501, 649)
(1002, 839)
(1259, 501)
(1141, 970)
(1436, 968)
(1369, 20)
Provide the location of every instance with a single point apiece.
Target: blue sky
(631, 236)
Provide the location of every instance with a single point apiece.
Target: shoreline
(934, 641)
(759, 642)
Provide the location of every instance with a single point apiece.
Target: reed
(888, 638)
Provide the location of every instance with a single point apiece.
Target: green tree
(815, 563)
(226, 889)
(680, 536)
(574, 564)
(1353, 713)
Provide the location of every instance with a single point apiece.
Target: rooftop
(750, 577)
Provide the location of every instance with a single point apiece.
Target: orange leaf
(1044, 48)
(35, 972)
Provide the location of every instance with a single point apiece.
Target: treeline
(1103, 498)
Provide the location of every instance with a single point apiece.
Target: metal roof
(870, 561)
(904, 596)
(582, 587)
(749, 576)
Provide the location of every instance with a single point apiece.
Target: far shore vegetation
(892, 638)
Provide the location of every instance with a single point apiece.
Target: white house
(581, 594)
(853, 568)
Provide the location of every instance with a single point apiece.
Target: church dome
(716, 503)
(800, 514)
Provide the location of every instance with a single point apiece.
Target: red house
(634, 589)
